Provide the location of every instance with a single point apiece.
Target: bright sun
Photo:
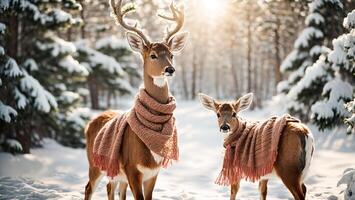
(212, 8)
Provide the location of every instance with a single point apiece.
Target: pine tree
(350, 121)
(120, 51)
(309, 46)
(339, 89)
(64, 77)
(41, 90)
(105, 72)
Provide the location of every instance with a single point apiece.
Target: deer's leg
(294, 185)
(296, 190)
(304, 189)
(135, 183)
(94, 178)
(122, 190)
(149, 187)
(234, 191)
(263, 189)
(111, 187)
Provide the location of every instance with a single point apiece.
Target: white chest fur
(156, 157)
(148, 173)
(271, 175)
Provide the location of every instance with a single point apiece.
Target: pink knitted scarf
(251, 150)
(153, 123)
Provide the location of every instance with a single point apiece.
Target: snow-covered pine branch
(330, 110)
(306, 75)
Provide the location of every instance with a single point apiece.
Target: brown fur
(140, 154)
(134, 151)
(287, 165)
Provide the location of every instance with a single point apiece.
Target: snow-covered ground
(57, 172)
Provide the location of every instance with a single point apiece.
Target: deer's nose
(225, 128)
(169, 71)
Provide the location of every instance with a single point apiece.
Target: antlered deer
(255, 150)
(138, 165)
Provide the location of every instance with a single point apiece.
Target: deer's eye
(153, 56)
(234, 114)
(218, 115)
(172, 56)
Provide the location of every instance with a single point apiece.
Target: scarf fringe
(104, 164)
(241, 161)
(167, 162)
(233, 171)
(151, 121)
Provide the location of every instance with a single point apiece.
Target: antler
(178, 17)
(119, 15)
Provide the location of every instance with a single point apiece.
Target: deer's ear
(135, 41)
(208, 102)
(244, 102)
(178, 41)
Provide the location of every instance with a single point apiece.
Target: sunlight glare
(213, 8)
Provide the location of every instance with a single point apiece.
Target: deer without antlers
(138, 164)
(247, 146)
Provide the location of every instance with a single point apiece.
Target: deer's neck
(161, 94)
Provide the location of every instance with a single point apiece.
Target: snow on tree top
(73, 66)
(6, 112)
(306, 35)
(98, 59)
(314, 18)
(349, 21)
(58, 46)
(43, 100)
(318, 4)
(111, 42)
(54, 16)
(4, 4)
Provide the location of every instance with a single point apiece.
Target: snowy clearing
(57, 172)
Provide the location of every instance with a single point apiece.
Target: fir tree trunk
(82, 15)
(12, 37)
(278, 75)
(94, 92)
(249, 70)
(184, 81)
(249, 50)
(194, 76)
(234, 70)
(108, 103)
(217, 82)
